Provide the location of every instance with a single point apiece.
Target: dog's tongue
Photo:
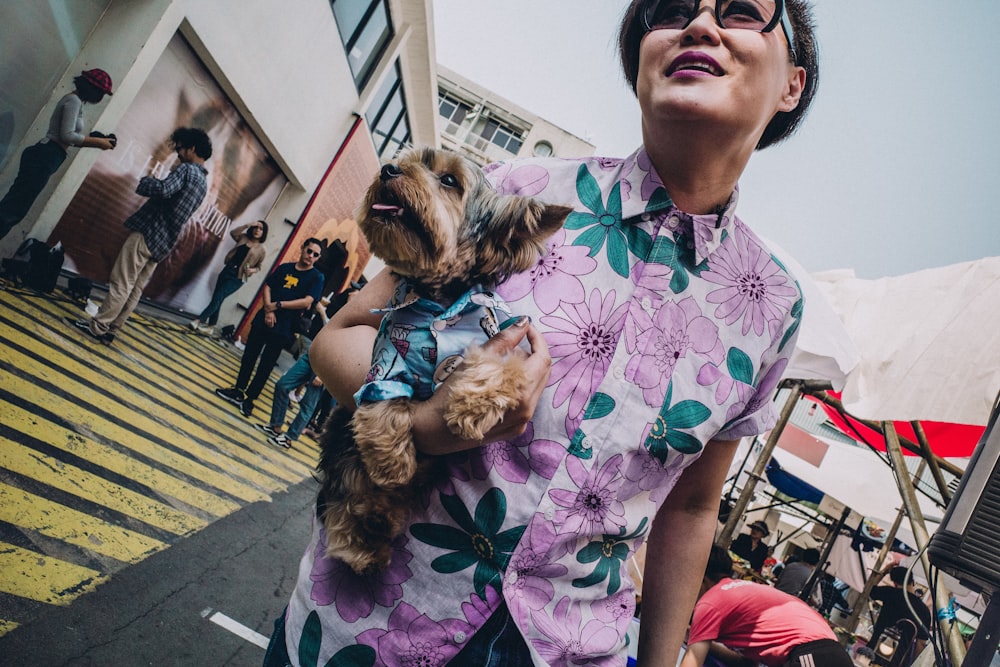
(388, 208)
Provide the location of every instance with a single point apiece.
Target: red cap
(100, 79)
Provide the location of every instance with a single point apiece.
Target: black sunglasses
(756, 15)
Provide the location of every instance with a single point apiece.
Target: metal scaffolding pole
(736, 514)
(956, 648)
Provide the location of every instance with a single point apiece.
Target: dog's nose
(391, 171)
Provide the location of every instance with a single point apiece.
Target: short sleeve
(760, 413)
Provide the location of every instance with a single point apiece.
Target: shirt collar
(647, 197)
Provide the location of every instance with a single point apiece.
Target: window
(543, 149)
(454, 111)
(365, 30)
(500, 135)
(387, 116)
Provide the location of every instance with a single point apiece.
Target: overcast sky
(893, 168)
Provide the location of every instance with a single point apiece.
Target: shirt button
(690, 245)
(459, 637)
(587, 442)
(550, 514)
(645, 217)
(619, 372)
(672, 221)
(512, 577)
(647, 303)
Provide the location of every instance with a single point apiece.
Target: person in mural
(241, 262)
(40, 161)
(746, 623)
(661, 326)
(291, 289)
(155, 228)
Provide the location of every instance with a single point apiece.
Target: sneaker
(232, 394)
(267, 428)
(84, 326)
(194, 324)
(281, 440)
(246, 407)
(206, 329)
(296, 394)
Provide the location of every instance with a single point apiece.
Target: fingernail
(515, 322)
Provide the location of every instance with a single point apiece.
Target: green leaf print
(664, 434)
(739, 365)
(475, 542)
(601, 405)
(357, 655)
(309, 642)
(603, 225)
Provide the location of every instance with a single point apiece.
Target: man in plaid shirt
(155, 230)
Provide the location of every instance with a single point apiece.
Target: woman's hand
(270, 319)
(431, 433)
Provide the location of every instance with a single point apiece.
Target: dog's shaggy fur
(435, 221)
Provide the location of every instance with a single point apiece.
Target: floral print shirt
(420, 343)
(666, 331)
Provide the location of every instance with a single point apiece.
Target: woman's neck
(698, 171)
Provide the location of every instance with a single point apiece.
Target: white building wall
(281, 62)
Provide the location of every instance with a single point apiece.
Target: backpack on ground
(35, 265)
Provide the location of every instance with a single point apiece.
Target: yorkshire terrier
(450, 238)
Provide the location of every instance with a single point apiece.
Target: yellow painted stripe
(87, 421)
(6, 626)
(271, 461)
(41, 515)
(113, 460)
(38, 577)
(88, 486)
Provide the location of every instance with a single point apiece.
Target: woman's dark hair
(192, 137)
(720, 564)
(263, 225)
(784, 123)
(87, 91)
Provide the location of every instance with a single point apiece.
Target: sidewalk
(111, 454)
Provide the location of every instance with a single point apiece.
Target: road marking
(236, 628)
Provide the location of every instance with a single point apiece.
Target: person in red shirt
(742, 623)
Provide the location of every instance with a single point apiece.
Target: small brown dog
(437, 224)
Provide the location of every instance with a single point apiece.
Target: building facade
(486, 127)
(301, 99)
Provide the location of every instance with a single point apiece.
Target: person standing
(156, 226)
(743, 622)
(291, 289)
(243, 261)
(40, 161)
(660, 325)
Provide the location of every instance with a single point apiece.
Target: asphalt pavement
(143, 520)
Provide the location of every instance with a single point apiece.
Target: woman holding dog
(660, 325)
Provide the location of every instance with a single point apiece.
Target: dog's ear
(515, 231)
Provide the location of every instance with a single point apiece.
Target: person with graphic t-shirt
(743, 623)
(291, 289)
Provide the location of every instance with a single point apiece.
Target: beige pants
(133, 269)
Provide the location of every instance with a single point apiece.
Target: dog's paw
(382, 432)
(481, 392)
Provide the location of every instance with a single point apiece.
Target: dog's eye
(449, 181)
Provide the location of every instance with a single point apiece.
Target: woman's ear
(793, 91)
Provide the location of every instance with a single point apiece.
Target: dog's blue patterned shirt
(420, 342)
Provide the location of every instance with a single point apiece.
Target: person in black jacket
(751, 547)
